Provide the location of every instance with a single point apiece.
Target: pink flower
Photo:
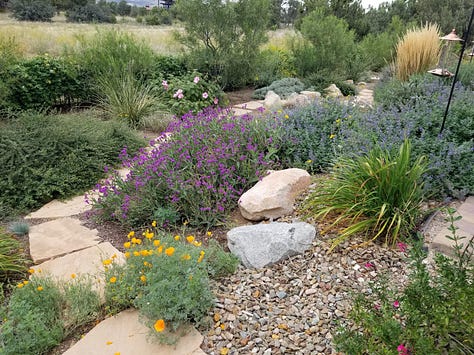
(205, 95)
(165, 84)
(178, 94)
(369, 265)
(396, 304)
(216, 101)
(196, 79)
(377, 306)
(402, 247)
(402, 350)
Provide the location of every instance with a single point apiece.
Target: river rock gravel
(297, 305)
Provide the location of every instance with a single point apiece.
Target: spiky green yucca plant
(125, 97)
(378, 194)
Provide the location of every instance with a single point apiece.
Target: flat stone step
(240, 111)
(81, 263)
(251, 105)
(59, 209)
(59, 237)
(125, 334)
(465, 229)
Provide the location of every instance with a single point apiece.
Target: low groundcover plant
(167, 278)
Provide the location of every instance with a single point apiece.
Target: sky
(373, 3)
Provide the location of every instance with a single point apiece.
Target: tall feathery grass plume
(417, 51)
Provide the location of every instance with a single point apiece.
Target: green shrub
(158, 16)
(346, 88)
(283, 87)
(44, 82)
(380, 48)
(224, 37)
(91, 12)
(10, 54)
(273, 64)
(165, 67)
(434, 314)
(466, 74)
(378, 194)
(111, 53)
(328, 46)
(47, 157)
(12, 260)
(126, 98)
(33, 324)
(40, 314)
(189, 93)
(32, 10)
(167, 279)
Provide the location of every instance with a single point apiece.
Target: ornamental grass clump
(417, 51)
(167, 278)
(377, 194)
(196, 174)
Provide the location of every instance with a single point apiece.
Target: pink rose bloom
(216, 101)
(180, 95)
(165, 84)
(377, 306)
(196, 79)
(205, 95)
(396, 304)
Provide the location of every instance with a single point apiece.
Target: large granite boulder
(261, 245)
(274, 196)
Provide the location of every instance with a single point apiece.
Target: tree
(275, 13)
(353, 13)
(90, 12)
(224, 37)
(32, 10)
(292, 11)
(123, 9)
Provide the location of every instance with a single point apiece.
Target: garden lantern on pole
(445, 50)
(466, 37)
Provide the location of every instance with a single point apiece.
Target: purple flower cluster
(199, 171)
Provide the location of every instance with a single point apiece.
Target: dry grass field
(52, 37)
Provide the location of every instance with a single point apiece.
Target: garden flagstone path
(441, 243)
(62, 247)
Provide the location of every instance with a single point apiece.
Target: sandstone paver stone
(252, 105)
(58, 209)
(59, 237)
(240, 111)
(83, 262)
(125, 334)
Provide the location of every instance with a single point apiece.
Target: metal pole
(466, 37)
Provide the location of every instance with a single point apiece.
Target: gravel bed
(296, 306)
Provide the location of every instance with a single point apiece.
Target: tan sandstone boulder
(274, 196)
